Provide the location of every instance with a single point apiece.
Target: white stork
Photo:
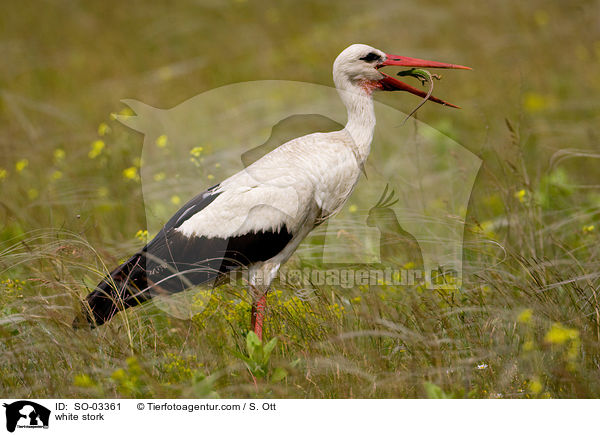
(258, 217)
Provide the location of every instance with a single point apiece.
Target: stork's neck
(361, 118)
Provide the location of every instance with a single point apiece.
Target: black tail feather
(122, 289)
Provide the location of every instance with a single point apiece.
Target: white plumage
(316, 171)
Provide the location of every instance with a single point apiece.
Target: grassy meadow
(523, 323)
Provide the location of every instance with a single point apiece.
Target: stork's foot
(258, 315)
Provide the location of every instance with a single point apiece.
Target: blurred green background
(526, 322)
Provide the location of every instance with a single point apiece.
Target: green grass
(526, 322)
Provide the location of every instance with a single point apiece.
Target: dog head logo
(26, 414)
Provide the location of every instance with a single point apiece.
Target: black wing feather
(173, 262)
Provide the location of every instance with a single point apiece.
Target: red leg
(258, 315)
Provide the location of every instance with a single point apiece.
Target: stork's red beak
(388, 83)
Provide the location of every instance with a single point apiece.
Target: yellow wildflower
(337, 310)
(57, 175)
(162, 141)
(118, 375)
(588, 228)
(176, 200)
(132, 364)
(21, 164)
(83, 381)
(59, 155)
(196, 151)
(210, 176)
(159, 176)
(142, 235)
(353, 208)
(3, 173)
(520, 195)
(130, 173)
(103, 129)
(525, 316)
(97, 147)
(558, 334)
(535, 102)
(535, 386)
(124, 112)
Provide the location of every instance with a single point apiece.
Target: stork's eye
(371, 57)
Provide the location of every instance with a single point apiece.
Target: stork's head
(357, 67)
